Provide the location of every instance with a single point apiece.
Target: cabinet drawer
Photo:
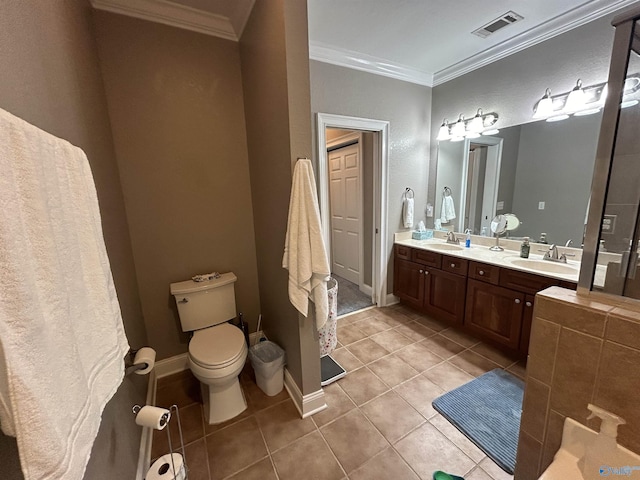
(525, 282)
(426, 257)
(403, 252)
(484, 272)
(455, 265)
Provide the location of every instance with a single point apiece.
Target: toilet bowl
(216, 358)
(217, 350)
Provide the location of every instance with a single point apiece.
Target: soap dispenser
(601, 452)
(467, 242)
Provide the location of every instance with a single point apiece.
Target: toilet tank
(205, 304)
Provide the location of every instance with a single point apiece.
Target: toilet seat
(217, 347)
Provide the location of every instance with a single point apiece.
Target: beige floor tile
(234, 448)
(392, 370)
(415, 331)
(478, 474)
(392, 415)
(442, 346)
(447, 377)
(387, 465)
(338, 403)
(409, 312)
(427, 450)
(282, 425)
(494, 471)
(472, 363)
(308, 457)
(457, 438)
(349, 334)
(367, 350)
(263, 470)
(460, 337)
(196, 454)
(391, 340)
(419, 356)
(372, 325)
(353, 440)
(432, 323)
(519, 369)
(345, 358)
(494, 354)
(362, 385)
(356, 316)
(420, 392)
(258, 400)
(392, 317)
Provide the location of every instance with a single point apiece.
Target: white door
(344, 191)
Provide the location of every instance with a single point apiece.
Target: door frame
(342, 142)
(380, 191)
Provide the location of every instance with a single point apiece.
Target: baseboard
(144, 455)
(366, 289)
(391, 300)
(171, 365)
(307, 405)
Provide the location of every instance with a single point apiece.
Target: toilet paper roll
(154, 417)
(146, 355)
(163, 469)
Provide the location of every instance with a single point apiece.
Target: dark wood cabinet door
(408, 282)
(494, 312)
(527, 319)
(445, 295)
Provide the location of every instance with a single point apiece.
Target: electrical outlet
(500, 206)
(429, 210)
(540, 205)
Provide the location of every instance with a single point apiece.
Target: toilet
(217, 349)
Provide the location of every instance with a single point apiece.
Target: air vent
(497, 24)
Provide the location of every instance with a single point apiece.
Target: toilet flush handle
(184, 300)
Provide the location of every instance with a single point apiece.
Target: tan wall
(51, 78)
(175, 101)
(581, 351)
(275, 74)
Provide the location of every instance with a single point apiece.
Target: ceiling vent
(497, 24)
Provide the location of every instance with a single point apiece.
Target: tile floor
(379, 423)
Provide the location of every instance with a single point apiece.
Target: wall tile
(528, 458)
(623, 326)
(553, 438)
(535, 407)
(542, 349)
(575, 373)
(572, 311)
(617, 390)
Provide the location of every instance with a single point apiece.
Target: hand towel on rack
(448, 211)
(305, 255)
(407, 212)
(63, 342)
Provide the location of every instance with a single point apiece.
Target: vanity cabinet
(493, 303)
(431, 282)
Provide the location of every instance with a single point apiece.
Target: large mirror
(540, 171)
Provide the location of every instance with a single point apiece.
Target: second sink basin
(545, 266)
(445, 246)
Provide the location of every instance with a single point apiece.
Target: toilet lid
(216, 346)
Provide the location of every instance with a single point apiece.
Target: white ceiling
(422, 41)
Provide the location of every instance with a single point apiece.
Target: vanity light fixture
(471, 128)
(493, 131)
(582, 100)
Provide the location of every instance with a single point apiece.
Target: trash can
(327, 334)
(267, 359)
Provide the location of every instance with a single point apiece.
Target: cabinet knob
(421, 272)
(517, 300)
(426, 272)
(481, 273)
(453, 265)
(528, 304)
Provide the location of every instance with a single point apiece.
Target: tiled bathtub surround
(379, 423)
(582, 351)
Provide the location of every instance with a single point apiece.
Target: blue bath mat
(487, 410)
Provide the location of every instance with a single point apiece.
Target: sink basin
(567, 461)
(545, 266)
(445, 247)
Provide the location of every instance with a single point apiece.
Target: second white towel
(407, 212)
(448, 212)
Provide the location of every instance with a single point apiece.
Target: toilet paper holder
(164, 421)
(130, 362)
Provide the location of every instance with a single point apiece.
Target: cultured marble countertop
(509, 258)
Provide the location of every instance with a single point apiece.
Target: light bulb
(458, 129)
(576, 99)
(443, 133)
(544, 107)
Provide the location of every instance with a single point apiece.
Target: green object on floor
(438, 475)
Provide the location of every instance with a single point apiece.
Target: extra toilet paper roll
(154, 417)
(163, 469)
(145, 355)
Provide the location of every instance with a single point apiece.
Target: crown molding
(172, 14)
(367, 63)
(552, 28)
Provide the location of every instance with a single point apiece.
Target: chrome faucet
(569, 243)
(552, 254)
(451, 238)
